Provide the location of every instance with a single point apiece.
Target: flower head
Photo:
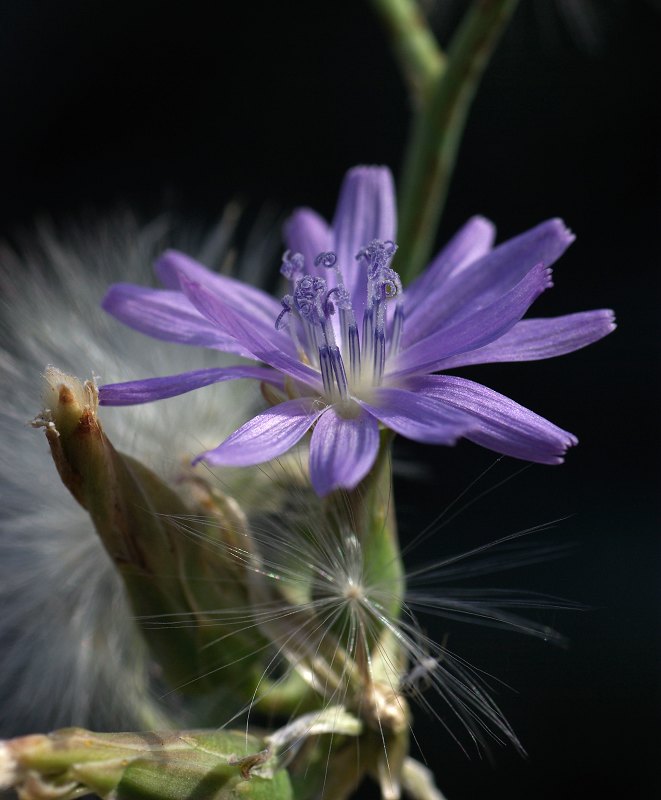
(348, 350)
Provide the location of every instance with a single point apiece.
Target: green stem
(420, 58)
(437, 130)
(371, 509)
(181, 765)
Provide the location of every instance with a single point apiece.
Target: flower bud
(169, 546)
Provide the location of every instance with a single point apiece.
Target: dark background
(164, 106)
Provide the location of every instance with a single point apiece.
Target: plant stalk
(437, 129)
(420, 58)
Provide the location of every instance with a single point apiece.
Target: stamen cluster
(313, 304)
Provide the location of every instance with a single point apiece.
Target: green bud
(170, 547)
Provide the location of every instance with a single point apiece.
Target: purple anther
(293, 265)
(327, 260)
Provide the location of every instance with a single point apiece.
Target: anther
(390, 281)
(292, 265)
(327, 260)
(377, 253)
(307, 298)
(383, 283)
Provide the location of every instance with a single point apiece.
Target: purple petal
(366, 210)
(483, 281)
(471, 242)
(502, 424)
(475, 331)
(173, 268)
(145, 391)
(342, 450)
(166, 315)
(266, 436)
(417, 416)
(230, 319)
(307, 233)
(535, 339)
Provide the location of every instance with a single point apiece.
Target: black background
(166, 106)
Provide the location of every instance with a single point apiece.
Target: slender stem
(420, 58)
(371, 509)
(381, 546)
(437, 130)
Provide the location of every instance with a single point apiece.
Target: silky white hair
(71, 651)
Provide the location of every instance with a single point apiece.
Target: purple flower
(347, 350)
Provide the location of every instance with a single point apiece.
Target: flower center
(309, 310)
